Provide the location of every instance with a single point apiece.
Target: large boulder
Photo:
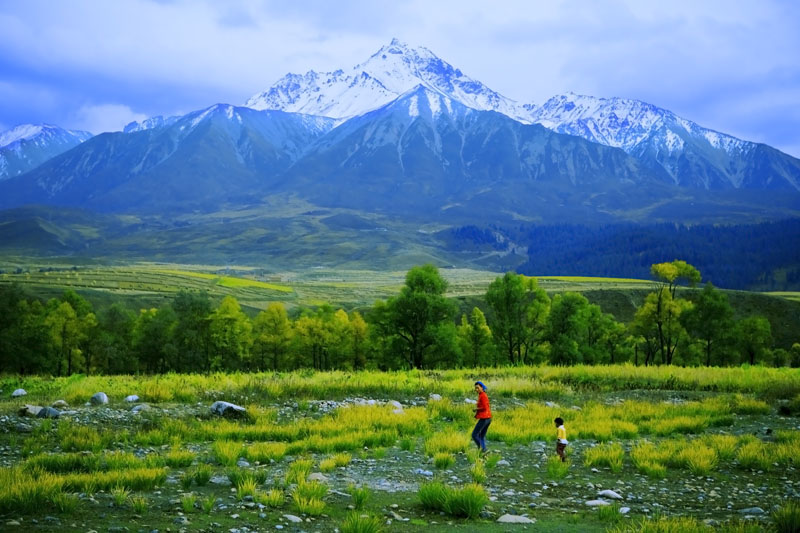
(48, 412)
(99, 398)
(19, 392)
(228, 409)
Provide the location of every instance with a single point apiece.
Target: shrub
(408, 444)
(187, 502)
(186, 480)
(179, 458)
(139, 504)
(609, 513)
(610, 455)
(271, 498)
(433, 495)
(207, 504)
(786, 519)
(327, 465)
(360, 495)
(446, 441)
(478, 472)
(120, 495)
(753, 454)
(724, 444)
(264, 452)
(246, 487)
(226, 452)
(467, 502)
(699, 459)
(356, 523)
(66, 503)
(298, 471)
(556, 468)
(202, 475)
(443, 460)
(309, 506)
(311, 490)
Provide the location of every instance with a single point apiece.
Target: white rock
(550, 404)
(435, 397)
(139, 408)
(624, 510)
(60, 404)
(396, 404)
(227, 409)
(503, 462)
(99, 398)
(293, 518)
(19, 392)
(470, 400)
(515, 519)
(132, 398)
(752, 510)
(597, 503)
(610, 494)
(317, 476)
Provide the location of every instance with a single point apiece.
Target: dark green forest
(771, 249)
(515, 323)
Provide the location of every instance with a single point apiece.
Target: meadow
(683, 450)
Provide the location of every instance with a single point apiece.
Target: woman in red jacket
(484, 415)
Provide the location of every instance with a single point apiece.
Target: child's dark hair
(559, 421)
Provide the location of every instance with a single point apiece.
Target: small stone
(597, 503)
(19, 392)
(228, 409)
(60, 404)
(752, 510)
(470, 400)
(550, 404)
(610, 494)
(503, 462)
(25, 428)
(624, 510)
(317, 476)
(515, 519)
(139, 408)
(48, 412)
(435, 397)
(292, 518)
(132, 398)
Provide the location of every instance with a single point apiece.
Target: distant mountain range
(403, 137)
(27, 146)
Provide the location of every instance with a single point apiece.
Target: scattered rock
(60, 404)
(503, 462)
(139, 408)
(48, 412)
(292, 518)
(19, 392)
(752, 510)
(30, 410)
(132, 398)
(99, 398)
(610, 494)
(182, 521)
(597, 503)
(242, 463)
(550, 404)
(470, 400)
(515, 519)
(396, 404)
(435, 397)
(23, 428)
(228, 409)
(317, 476)
(427, 473)
(624, 510)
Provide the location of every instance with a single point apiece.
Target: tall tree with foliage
(113, 340)
(710, 319)
(272, 335)
(418, 315)
(153, 338)
(359, 337)
(230, 336)
(668, 277)
(193, 331)
(567, 328)
(657, 324)
(475, 339)
(753, 338)
(509, 300)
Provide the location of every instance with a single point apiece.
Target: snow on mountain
(28, 145)
(150, 123)
(392, 71)
(41, 134)
(625, 123)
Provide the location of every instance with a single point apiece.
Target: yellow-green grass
(356, 522)
(270, 498)
(589, 279)
(446, 441)
(309, 506)
(443, 460)
(609, 455)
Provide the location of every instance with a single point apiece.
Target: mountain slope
(206, 158)
(391, 71)
(425, 152)
(27, 146)
(692, 155)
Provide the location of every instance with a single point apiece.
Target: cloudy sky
(730, 65)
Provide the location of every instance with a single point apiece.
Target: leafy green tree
(312, 337)
(11, 318)
(519, 314)
(668, 276)
(272, 335)
(153, 338)
(230, 332)
(753, 338)
(567, 328)
(192, 333)
(30, 341)
(657, 325)
(112, 343)
(475, 338)
(359, 338)
(795, 354)
(65, 334)
(417, 316)
(710, 319)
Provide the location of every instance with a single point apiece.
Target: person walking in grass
(484, 415)
(561, 439)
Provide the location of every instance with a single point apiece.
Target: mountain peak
(392, 71)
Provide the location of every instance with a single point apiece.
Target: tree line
(418, 328)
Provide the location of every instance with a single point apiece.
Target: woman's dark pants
(479, 433)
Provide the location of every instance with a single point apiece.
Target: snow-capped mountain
(27, 146)
(392, 71)
(691, 154)
(150, 123)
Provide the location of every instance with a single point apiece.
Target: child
(561, 439)
(484, 415)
